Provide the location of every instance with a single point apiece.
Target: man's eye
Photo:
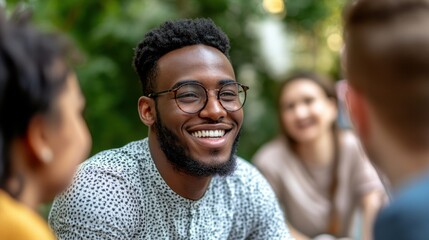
(228, 95)
(188, 97)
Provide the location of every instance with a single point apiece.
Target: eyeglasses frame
(175, 89)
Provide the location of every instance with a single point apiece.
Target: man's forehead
(196, 62)
(197, 51)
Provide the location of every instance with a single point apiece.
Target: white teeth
(209, 133)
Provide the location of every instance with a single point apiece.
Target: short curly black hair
(170, 36)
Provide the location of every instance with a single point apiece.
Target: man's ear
(147, 110)
(357, 106)
(37, 141)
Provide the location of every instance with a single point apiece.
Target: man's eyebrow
(220, 82)
(183, 82)
(226, 81)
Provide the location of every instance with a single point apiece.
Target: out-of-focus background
(269, 38)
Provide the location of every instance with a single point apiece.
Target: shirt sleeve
(95, 206)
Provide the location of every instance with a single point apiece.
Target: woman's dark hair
(170, 36)
(324, 83)
(33, 71)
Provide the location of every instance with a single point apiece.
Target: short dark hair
(170, 36)
(33, 71)
(387, 58)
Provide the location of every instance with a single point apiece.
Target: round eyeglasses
(192, 97)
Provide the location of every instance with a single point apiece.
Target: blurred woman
(319, 173)
(43, 136)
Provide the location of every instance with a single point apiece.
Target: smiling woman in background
(43, 136)
(319, 173)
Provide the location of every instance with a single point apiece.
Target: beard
(181, 160)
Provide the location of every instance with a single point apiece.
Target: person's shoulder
(270, 151)
(348, 137)
(247, 181)
(243, 167)
(125, 158)
(413, 195)
(354, 160)
(19, 222)
(410, 202)
(407, 215)
(350, 144)
(273, 145)
(246, 175)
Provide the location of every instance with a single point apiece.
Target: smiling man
(184, 181)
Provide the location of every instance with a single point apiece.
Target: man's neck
(398, 162)
(185, 185)
(405, 167)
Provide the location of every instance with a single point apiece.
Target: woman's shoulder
(17, 221)
(275, 150)
(273, 156)
(352, 150)
(348, 138)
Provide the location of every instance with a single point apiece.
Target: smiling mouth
(209, 133)
(306, 123)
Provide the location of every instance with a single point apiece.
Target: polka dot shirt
(119, 194)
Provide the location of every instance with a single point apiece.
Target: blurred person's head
(387, 66)
(43, 136)
(307, 107)
(191, 100)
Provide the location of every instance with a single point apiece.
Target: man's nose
(213, 109)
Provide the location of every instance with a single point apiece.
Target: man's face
(179, 133)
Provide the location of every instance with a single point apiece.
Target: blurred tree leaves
(306, 14)
(107, 31)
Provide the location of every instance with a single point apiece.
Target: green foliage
(107, 31)
(306, 14)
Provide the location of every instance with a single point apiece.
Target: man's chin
(215, 167)
(182, 159)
